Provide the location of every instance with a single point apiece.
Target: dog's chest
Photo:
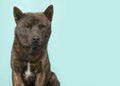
(28, 71)
(27, 67)
(33, 67)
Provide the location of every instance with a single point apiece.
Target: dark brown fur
(24, 50)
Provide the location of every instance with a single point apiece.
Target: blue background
(84, 47)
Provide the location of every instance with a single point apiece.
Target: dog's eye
(28, 26)
(41, 26)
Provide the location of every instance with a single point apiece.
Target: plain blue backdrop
(84, 47)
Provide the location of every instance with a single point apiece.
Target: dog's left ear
(49, 12)
(18, 14)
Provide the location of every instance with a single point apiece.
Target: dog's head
(33, 29)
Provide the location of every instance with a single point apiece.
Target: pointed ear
(18, 14)
(49, 12)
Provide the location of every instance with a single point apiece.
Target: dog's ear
(18, 14)
(49, 12)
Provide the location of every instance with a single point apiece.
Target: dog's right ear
(18, 14)
(49, 12)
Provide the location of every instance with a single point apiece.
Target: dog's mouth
(35, 45)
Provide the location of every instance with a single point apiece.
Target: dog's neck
(28, 54)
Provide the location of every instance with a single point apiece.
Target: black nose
(35, 38)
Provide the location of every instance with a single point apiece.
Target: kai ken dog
(29, 58)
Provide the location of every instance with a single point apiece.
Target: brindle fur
(26, 25)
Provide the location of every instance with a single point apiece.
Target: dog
(29, 57)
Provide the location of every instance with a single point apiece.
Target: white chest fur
(28, 71)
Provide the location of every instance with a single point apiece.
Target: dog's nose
(36, 38)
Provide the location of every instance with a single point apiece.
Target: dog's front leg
(40, 79)
(17, 81)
